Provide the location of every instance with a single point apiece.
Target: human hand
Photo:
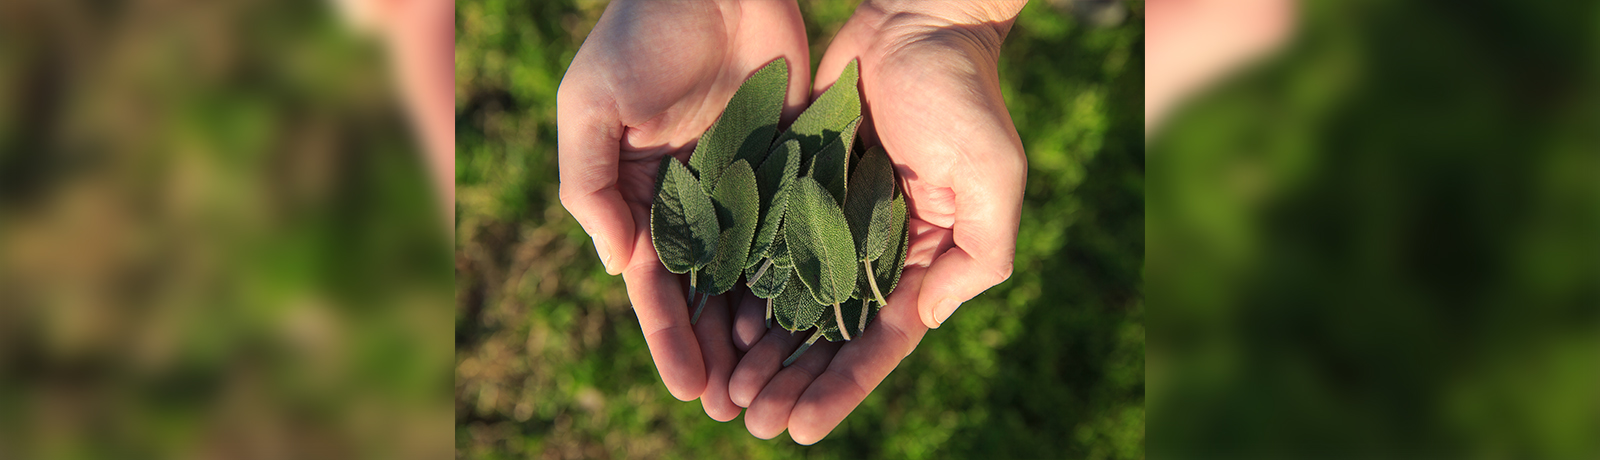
(931, 91)
(649, 79)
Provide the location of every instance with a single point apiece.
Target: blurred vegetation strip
(216, 240)
(550, 359)
(1386, 243)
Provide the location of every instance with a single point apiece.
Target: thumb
(588, 137)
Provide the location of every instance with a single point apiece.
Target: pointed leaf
(769, 283)
(819, 241)
(737, 208)
(822, 122)
(793, 308)
(851, 310)
(683, 222)
(746, 127)
(774, 180)
(780, 246)
(886, 269)
(831, 166)
(868, 208)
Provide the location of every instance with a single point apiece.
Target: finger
(588, 136)
(749, 322)
(717, 348)
(988, 207)
(859, 366)
(759, 364)
(769, 413)
(659, 301)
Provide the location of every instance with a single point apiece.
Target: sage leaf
(849, 312)
(683, 222)
(819, 241)
(746, 127)
(831, 166)
(767, 279)
(737, 209)
(793, 308)
(827, 116)
(886, 270)
(780, 248)
(872, 221)
(774, 179)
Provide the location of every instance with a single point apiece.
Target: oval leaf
(868, 208)
(737, 208)
(819, 242)
(774, 179)
(822, 122)
(683, 222)
(746, 127)
(793, 308)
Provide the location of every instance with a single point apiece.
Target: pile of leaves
(810, 220)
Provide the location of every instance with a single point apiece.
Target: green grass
(1050, 364)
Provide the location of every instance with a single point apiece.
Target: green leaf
(868, 206)
(683, 222)
(793, 308)
(886, 270)
(737, 208)
(850, 312)
(825, 119)
(774, 179)
(831, 166)
(746, 127)
(767, 279)
(780, 251)
(819, 242)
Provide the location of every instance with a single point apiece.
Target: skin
(649, 79)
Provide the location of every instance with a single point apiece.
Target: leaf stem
(872, 281)
(760, 271)
(814, 336)
(769, 313)
(839, 316)
(864, 306)
(698, 309)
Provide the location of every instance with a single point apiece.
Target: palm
(651, 77)
(934, 104)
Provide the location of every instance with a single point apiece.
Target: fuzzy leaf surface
(831, 166)
(868, 207)
(825, 119)
(683, 222)
(774, 179)
(819, 241)
(746, 127)
(793, 308)
(737, 206)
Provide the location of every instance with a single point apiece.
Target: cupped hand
(649, 79)
(931, 88)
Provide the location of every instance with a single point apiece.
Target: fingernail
(605, 256)
(944, 309)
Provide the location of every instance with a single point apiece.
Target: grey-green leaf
(851, 312)
(746, 127)
(886, 269)
(793, 308)
(826, 118)
(683, 222)
(819, 242)
(780, 248)
(868, 206)
(737, 208)
(831, 166)
(774, 179)
(767, 279)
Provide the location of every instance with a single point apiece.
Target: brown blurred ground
(216, 238)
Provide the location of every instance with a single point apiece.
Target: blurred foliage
(216, 239)
(550, 359)
(1383, 242)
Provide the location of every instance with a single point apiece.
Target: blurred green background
(550, 360)
(216, 238)
(1385, 241)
